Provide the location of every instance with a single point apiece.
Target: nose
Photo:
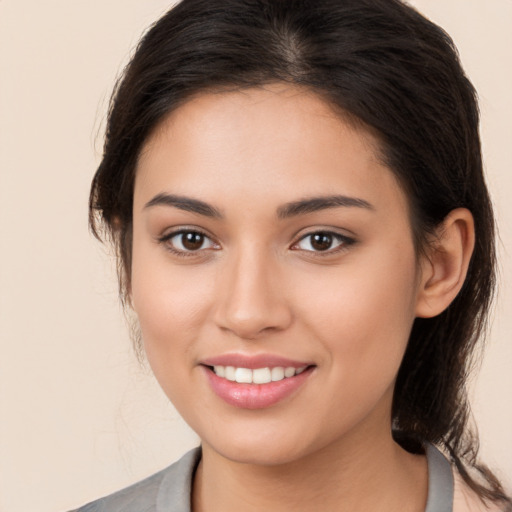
(251, 300)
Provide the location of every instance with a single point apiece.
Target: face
(274, 274)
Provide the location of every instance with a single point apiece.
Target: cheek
(364, 311)
(171, 306)
(171, 301)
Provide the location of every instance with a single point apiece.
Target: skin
(257, 286)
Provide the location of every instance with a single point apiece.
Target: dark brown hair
(383, 64)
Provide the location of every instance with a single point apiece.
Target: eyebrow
(184, 203)
(314, 204)
(301, 207)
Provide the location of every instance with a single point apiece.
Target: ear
(445, 264)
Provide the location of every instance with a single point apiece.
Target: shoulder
(171, 485)
(447, 490)
(466, 500)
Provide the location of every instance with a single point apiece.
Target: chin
(268, 454)
(266, 446)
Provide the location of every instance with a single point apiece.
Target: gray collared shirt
(170, 489)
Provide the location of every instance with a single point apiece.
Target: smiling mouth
(257, 375)
(256, 388)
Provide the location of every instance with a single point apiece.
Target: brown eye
(192, 241)
(321, 241)
(187, 241)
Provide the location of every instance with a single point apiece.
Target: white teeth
(257, 376)
(230, 373)
(289, 372)
(220, 371)
(277, 373)
(261, 376)
(243, 375)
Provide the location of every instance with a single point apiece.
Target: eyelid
(180, 230)
(345, 241)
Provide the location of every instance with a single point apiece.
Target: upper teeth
(257, 376)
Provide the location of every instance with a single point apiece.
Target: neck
(369, 473)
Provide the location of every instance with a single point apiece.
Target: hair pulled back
(383, 64)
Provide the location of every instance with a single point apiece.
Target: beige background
(78, 417)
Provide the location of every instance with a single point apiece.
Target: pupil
(321, 241)
(192, 241)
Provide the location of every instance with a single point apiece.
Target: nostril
(252, 325)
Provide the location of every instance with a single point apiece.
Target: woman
(295, 191)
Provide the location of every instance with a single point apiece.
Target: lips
(255, 382)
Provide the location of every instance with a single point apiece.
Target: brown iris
(321, 241)
(192, 241)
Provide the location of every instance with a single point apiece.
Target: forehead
(268, 143)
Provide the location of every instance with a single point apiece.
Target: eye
(322, 241)
(188, 241)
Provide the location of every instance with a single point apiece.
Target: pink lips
(254, 396)
(253, 362)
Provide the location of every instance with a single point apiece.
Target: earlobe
(446, 263)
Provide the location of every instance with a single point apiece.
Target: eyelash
(166, 240)
(343, 242)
